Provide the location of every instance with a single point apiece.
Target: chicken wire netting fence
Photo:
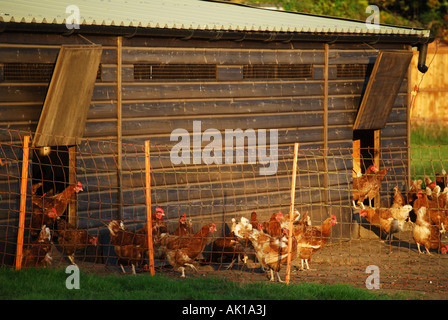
(86, 204)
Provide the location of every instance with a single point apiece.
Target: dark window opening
(364, 149)
(278, 71)
(174, 72)
(354, 71)
(50, 166)
(53, 169)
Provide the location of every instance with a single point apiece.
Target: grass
(49, 284)
(429, 151)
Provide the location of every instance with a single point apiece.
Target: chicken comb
(80, 184)
(159, 209)
(333, 217)
(53, 212)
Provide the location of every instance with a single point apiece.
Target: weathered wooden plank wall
(153, 109)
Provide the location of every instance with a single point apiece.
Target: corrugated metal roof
(185, 14)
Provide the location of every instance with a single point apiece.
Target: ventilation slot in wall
(31, 72)
(278, 71)
(354, 71)
(174, 72)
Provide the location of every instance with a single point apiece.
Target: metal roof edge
(260, 35)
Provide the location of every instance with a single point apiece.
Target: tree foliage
(428, 14)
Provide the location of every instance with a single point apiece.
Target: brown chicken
(310, 239)
(442, 217)
(443, 198)
(398, 200)
(158, 223)
(229, 249)
(427, 235)
(436, 209)
(442, 179)
(184, 227)
(421, 200)
(254, 221)
(41, 217)
(159, 227)
(119, 235)
(140, 236)
(59, 201)
(181, 251)
(415, 187)
(72, 239)
(273, 227)
(131, 255)
(37, 254)
(130, 247)
(389, 220)
(367, 186)
(382, 219)
(271, 252)
(429, 183)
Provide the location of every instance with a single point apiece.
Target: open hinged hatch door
(67, 102)
(62, 120)
(387, 76)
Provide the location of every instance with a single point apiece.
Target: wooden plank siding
(153, 109)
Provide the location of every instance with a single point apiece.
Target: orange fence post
(24, 182)
(291, 212)
(148, 207)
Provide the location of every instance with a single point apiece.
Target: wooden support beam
(23, 186)
(148, 207)
(119, 127)
(72, 207)
(291, 213)
(325, 118)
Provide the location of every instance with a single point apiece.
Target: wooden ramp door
(385, 81)
(67, 102)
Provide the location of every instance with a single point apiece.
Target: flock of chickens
(429, 205)
(267, 241)
(46, 222)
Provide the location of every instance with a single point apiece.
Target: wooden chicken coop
(91, 85)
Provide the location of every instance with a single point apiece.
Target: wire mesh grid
(113, 189)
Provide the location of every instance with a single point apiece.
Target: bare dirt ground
(401, 267)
